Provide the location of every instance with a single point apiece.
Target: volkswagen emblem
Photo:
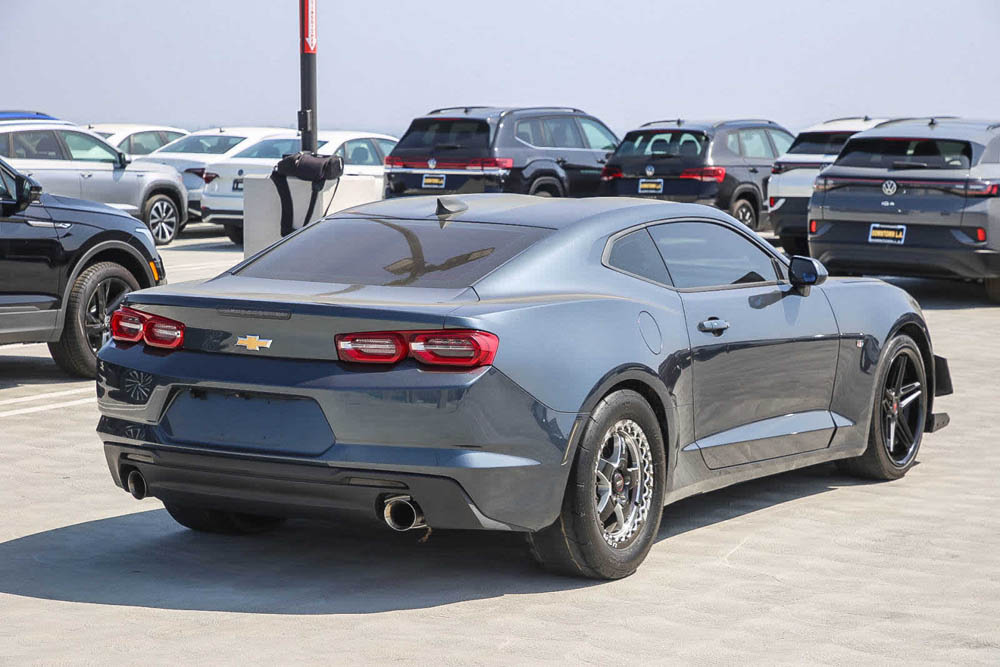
(432, 163)
(888, 188)
(650, 170)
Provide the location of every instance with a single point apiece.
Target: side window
(733, 143)
(598, 137)
(36, 145)
(6, 182)
(635, 253)
(172, 136)
(703, 254)
(144, 143)
(85, 147)
(561, 132)
(386, 145)
(529, 131)
(782, 140)
(359, 151)
(5, 145)
(755, 144)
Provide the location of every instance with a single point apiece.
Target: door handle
(753, 170)
(561, 161)
(713, 325)
(85, 175)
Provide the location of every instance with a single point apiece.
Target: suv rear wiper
(905, 164)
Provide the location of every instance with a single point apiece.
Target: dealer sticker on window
(433, 181)
(650, 186)
(887, 234)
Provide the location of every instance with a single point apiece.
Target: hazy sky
(198, 63)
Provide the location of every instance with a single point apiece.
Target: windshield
(906, 153)
(441, 135)
(819, 143)
(663, 143)
(211, 144)
(275, 148)
(415, 253)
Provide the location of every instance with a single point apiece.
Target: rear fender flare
(545, 172)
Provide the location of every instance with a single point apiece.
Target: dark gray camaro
(562, 368)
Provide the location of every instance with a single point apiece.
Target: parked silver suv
(917, 197)
(67, 160)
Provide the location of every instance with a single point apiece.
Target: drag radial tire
(95, 295)
(216, 521)
(614, 498)
(899, 414)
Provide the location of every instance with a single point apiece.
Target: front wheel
(162, 217)
(614, 500)
(898, 414)
(744, 211)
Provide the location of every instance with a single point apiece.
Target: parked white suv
(135, 140)
(792, 176)
(363, 179)
(189, 155)
(70, 161)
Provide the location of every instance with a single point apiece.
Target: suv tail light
(209, 176)
(705, 174)
(491, 163)
(777, 168)
(129, 325)
(977, 188)
(447, 347)
(611, 172)
(197, 171)
(391, 161)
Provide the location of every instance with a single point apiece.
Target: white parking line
(48, 394)
(50, 406)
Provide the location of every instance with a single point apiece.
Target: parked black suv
(65, 265)
(549, 151)
(721, 163)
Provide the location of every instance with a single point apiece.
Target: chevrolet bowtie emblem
(253, 343)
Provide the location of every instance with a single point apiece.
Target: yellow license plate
(893, 234)
(650, 186)
(433, 181)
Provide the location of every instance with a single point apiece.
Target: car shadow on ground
(309, 567)
(20, 369)
(944, 294)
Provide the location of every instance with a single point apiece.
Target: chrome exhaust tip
(402, 513)
(136, 484)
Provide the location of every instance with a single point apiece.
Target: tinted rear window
(906, 153)
(669, 143)
(415, 253)
(819, 143)
(440, 135)
(210, 144)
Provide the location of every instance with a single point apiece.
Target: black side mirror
(806, 271)
(123, 161)
(28, 192)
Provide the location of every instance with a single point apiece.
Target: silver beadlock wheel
(624, 483)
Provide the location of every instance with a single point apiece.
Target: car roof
(706, 125)
(39, 124)
(846, 124)
(496, 112)
(122, 128)
(249, 132)
(332, 136)
(968, 129)
(612, 213)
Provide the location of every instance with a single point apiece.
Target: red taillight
(982, 189)
(770, 201)
(611, 172)
(980, 234)
(377, 347)
(129, 325)
(777, 168)
(209, 177)
(391, 161)
(812, 226)
(448, 347)
(491, 163)
(705, 174)
(197, 171)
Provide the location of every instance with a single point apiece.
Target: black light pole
(307, 74)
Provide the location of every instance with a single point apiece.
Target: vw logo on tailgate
(432, 163)
(888, 188)
(650, 170)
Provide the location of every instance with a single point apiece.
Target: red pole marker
(309, 26)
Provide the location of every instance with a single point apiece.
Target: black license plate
(891, 234)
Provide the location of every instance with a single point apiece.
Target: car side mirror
(27, 192)
(806, 271)
(123, 160)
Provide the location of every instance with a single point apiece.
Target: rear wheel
(97, 293)
(898, 414)
(545, 187)
(744, 211)
(614, 500)
(162, 217)
(216, 521)
(992, 289)
(235, 234)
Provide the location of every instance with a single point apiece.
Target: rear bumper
(472, 448)
(222, 209)
(928, 251)
(789, 216)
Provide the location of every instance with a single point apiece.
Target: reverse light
(705, 174)
(447, 347)
(611, 172)
(129, 325)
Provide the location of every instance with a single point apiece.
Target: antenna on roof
(449, 206)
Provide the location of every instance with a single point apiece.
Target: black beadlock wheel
(614, 499)
(899, 414)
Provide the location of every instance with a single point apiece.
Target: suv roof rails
(464, 108)
(744, 120)
(544, 108)
(834, 120)
(931, 120)
(992, 126)
(678, 121)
